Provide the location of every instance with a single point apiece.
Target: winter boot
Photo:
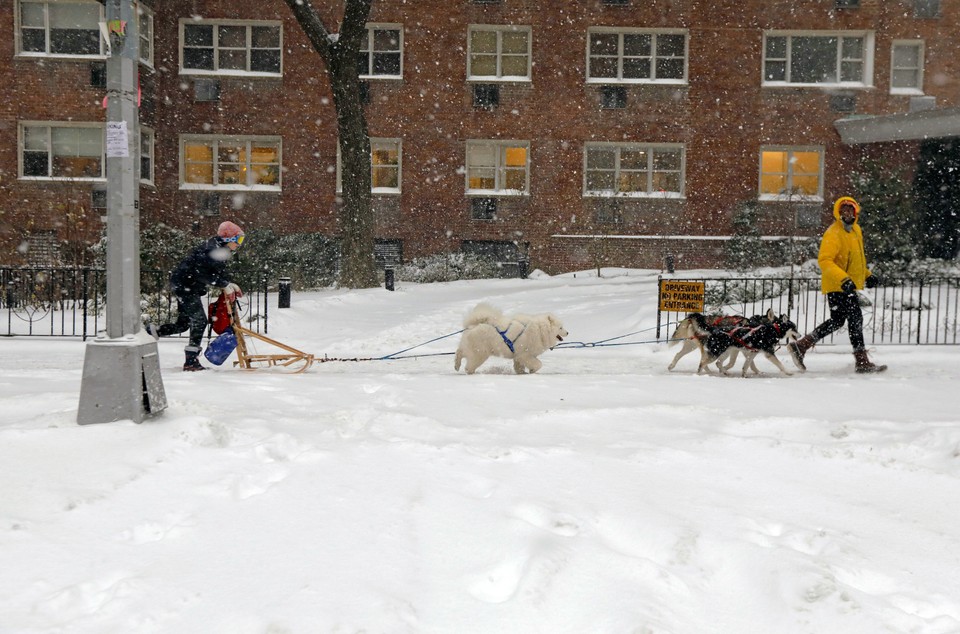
(799, 348)
(192, 364)
(152, 331)
(864, 365)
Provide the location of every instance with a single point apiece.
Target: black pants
(190, 314)
(843, 308)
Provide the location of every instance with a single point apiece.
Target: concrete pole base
(121, 380)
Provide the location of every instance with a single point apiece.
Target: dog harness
(506, 339)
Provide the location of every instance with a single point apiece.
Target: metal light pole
(121, 369)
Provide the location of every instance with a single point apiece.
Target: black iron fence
(902, 311)
(71, 302)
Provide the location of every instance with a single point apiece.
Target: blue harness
(506, 339)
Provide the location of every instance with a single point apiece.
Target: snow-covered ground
(603, 494)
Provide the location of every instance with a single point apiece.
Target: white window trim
(61, 124)
(922, 53)
(228, 72)
(623, 31)
(498, 143)
(377, 190)
(646, 146)
(229, 138)
(868, 58)
(147, 13)
(31, 54)
(498, 78)
(146, 131)
(787, 196)
(371, 27)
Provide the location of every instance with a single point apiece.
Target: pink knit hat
(228, 229)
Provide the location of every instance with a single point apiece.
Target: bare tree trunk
(340, 54)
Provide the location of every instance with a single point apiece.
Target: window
(500, 167)
(498, 52)
(791, 173)
(636, 56)
(384, 166)
(231, 163)
(906, 67)
(230, 48)
(60, 27)
(145, 29)
(926, 8)
(62, 151)
(146, 155)
(631, 169)
(844, 58)
(381, 54)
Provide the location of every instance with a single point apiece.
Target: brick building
(559, 131)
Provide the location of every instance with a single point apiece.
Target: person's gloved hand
(848, 287)
(874, 281)
(232, 291)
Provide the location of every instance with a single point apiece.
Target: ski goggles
(238, 239)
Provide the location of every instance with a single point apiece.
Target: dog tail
(482, 313)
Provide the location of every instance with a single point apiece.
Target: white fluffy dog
(487, 332)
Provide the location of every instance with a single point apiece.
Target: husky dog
(751, 339)
(687, 332)
(487, 332)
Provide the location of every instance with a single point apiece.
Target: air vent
(483, 208)
(486, 95)
(616, 2)
(843, 103)
(98, 75)
(613, 97)
(206, 90)
(847, 4)
(208, 204)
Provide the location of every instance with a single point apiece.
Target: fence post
(659, 292)
(86, 273)
(388, 279)
(283, 293)
(919, 311)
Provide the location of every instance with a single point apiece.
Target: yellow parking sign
(681, 297)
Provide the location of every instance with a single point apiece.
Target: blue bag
(221, 348)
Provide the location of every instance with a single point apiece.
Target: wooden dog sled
(292, 359)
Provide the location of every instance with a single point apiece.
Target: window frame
(788, 195)
(215, 140)
(148, 136)
(46, 54)
(381, 142)
(621, 32)
(867, 61)
(921, 52)
(651, 149)
(145, 16)
(371, 51)
(229, 72)
(50, 125)
(500, 29)
(500, 168)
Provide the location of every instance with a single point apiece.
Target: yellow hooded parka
(841, 252)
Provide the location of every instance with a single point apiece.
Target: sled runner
(293, 360)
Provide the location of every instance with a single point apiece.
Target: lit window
(62, 151)
(381, 53)
(842, 58)
(231, 163)
(499, 52)
(501, 167)
(636, 56)
(230, 48)
(791, 173)
(60, 28)
(906, 67)
(630, 169)
(385, 155)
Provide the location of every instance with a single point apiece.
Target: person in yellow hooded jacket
(843, 270)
